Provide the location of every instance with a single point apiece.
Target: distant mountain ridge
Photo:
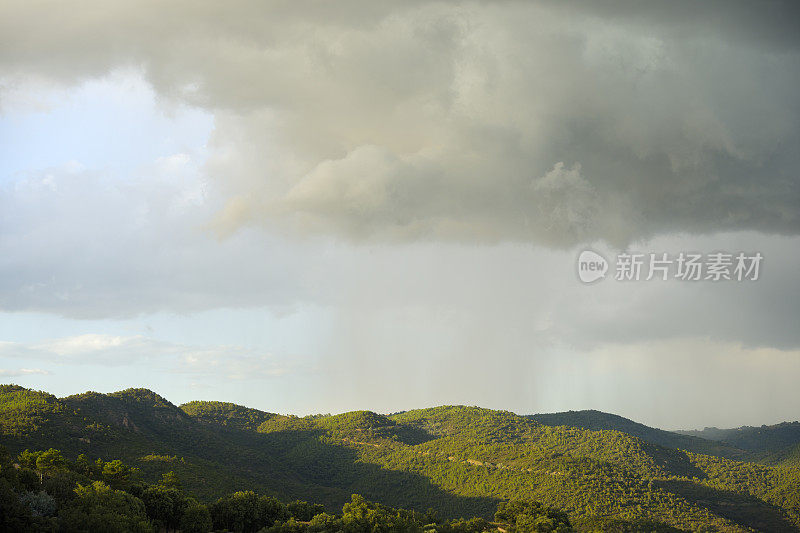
(764, 438)
(458, 460)
(775, 444)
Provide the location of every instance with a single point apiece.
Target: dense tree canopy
(94, 506)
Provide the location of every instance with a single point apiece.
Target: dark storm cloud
(544, 122)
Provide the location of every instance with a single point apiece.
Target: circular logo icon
(591, 266)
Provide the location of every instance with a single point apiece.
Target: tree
(116, 472)
(27, 459)
(40, 503)
(473, 525)
(165, 506)
(50, 461)
(15, 515)
(170, 479)
(527, 517)
(196, 518)
(325, 522)
(362, 515)
(100, 509)
(304, 511)
(247, 512)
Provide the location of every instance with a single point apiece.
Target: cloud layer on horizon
(670, 378)
(227, 362)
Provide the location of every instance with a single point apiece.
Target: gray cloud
(124, 249)
(437, 120)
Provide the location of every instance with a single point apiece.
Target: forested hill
(226, 414)
(459, 461)
(598, 420)
(770, 444)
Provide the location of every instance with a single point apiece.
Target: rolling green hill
(598, 420)
(226, 414)
(460, 461)
(789, 457)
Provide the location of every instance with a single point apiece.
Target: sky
(320, 207)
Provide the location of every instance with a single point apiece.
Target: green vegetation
(226, 414)
(788, 457)
(44, 492)
(457, 461)
(597, 420)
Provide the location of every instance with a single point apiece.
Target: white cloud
(85, 344)
(23, 372)
(230, 362)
